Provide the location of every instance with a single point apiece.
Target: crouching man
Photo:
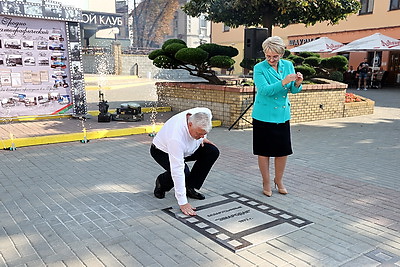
(181, 139)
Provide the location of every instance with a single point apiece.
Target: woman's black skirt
(271, 139)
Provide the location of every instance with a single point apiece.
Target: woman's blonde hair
(274, 44)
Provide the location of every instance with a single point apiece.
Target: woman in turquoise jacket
(274, 79)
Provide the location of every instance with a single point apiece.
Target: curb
(84, 136)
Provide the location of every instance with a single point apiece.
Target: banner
(35, 74)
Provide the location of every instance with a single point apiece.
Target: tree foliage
(152, 21)
(270, 13)
(199, 61)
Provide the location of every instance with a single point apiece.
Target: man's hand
(206, 141)
(187, 209)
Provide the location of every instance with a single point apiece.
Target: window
(203, 22)
(394, 4)
(367, 7)
(226, 28)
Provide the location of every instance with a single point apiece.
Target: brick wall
(314, 102)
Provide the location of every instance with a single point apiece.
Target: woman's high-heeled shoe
(282, 191)
(267, 193)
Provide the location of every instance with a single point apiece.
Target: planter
(314, 102)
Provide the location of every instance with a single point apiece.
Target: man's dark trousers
(205, 157)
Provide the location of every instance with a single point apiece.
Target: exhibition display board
(40, 60)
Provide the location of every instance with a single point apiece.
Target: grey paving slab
(74, 204)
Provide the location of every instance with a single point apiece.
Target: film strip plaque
(238, 222)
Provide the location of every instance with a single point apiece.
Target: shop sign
(103, 19)
(298, 42)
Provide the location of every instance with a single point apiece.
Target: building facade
(194, 31)
(373, 17)
(102, 23)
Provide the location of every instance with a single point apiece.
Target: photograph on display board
(72, 14)
(12, 7)
(29, 61)
(13, 60)
(27, 44)
(75, 51)
(34, 1)
(42, 45)
(53, 12)
(12, 43)
(35, 76)
(73, 33)
(33, 10)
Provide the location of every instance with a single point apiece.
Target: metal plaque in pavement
(237, 222)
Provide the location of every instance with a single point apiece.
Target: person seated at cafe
(349, 76)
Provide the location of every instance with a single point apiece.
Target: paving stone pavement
(75, 204)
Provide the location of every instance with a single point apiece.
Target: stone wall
(358, 108)
(314, 102)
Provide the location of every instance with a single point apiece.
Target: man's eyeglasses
(276, 57)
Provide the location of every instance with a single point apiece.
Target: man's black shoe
(158, 191)
(190, 192)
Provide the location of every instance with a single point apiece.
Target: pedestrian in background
(362, 70)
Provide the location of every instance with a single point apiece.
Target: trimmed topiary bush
(308, 54)
(172, 41)
(222, 62)
(173, 48)
(336, 76)
(199, 61)
(156, 53)
(194, 56)
(297, 60)
(312, 61)
(307, 71)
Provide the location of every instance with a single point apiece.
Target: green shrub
(336, 76)
(308, 54)
(229, 51)
(194, 56)
(297, 60)
(223, 62)
(307, 71)
(171, 41)
(156, 53)
(173, 48)
(286, 53)
(312, 61)
(338, 63)
(215, 49)
(165, 62)
(249, 63)
(199, 61)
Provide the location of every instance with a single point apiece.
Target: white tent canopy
(320, 45)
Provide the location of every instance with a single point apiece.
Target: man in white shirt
(182, 139)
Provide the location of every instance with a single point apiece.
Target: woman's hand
(299, 79)
(289, 78)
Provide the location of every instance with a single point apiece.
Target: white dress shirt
(174, 139)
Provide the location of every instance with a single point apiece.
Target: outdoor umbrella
(372, 43)
(320, 45)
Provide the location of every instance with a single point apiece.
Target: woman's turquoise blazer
(272, 103)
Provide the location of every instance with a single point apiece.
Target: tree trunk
(213, 79)
(267, 23)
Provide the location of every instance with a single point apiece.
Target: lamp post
(201, 39)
